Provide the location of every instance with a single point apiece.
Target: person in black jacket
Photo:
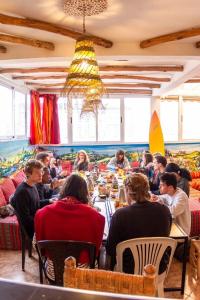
(141, 218)
(46, 188)
(26, 199)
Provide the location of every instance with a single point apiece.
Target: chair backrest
(146, 251)
(108, 281)
(57, 251)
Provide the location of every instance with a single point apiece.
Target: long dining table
(106, 207)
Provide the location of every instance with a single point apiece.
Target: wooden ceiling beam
(116, 76)
(50, 27)
(197, 44)
(176, 68)
(109, 91)
(25, 41)
(109, 85)
(179, 35)
(194, 80)
(3, 49)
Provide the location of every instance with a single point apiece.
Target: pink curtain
(35, 120)
(50, 120)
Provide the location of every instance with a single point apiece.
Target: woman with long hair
(182, 175)
(71, 218)
(119, 161)
(81, 162)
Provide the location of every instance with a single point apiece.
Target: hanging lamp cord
(84, 11)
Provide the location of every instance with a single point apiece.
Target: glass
(62, 114)
(191, 113)
(169, 120)
(84, 128)
(109, 118)
(137, 113)
(6, 112)
(28, 115)
(20, 114)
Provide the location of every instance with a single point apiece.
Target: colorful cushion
(18, 178)
(2, 198)
(8, 188)
(10, 237)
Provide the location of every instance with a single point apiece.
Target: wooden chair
(108, 281)
(145, 251)
(57, 251)
(195, 258)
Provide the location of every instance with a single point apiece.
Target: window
(20, 114)
(6, 112)
(63, 121)
(109, 121)
(84, 128)
(136, 119)
(28, 118)
(169, 114)
(191, 113)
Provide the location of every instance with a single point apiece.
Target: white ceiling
(125, 23)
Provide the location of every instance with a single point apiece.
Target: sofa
(10, 237)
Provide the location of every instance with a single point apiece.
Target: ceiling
(126, 23)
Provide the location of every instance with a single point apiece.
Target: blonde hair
(86, 156)
(138, 186)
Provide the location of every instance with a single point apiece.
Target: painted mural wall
(14, 154)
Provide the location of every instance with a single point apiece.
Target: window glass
(136, 119)
(109, 120)
(83, 127)
(62, 113)
(28, 114)
(169, 119)
(191, 113)
(6, 112)
(20, 117)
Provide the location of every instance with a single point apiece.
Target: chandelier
(83, 79)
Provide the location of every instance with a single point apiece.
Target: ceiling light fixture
(83, 79)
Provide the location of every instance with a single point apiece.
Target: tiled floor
(10, 268)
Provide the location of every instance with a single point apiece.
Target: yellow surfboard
(156, 141)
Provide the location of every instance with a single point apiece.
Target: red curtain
(35, 120)
(50, 120)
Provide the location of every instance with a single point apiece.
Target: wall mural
(14, 154)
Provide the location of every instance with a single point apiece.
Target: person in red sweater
(71, 218)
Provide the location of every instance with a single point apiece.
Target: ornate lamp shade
(84, 69)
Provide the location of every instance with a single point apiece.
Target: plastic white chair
(147, 251)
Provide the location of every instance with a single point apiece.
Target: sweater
(145, 219)
(179, 207)
(69, 220)
(26, 202)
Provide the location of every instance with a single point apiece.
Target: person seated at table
(81, 162)
(141, 218)
(147, 165)
(56, 170)
(175, 199)
(160, 163)
(26, 199)
(44, 158)
(182, 175)
(47, 188)
(119, 161)
(71, 217)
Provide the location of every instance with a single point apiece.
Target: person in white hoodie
(176, 200)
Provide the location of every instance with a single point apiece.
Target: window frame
(14, 136)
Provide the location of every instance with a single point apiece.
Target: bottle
(121, 195)
(90, 184)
